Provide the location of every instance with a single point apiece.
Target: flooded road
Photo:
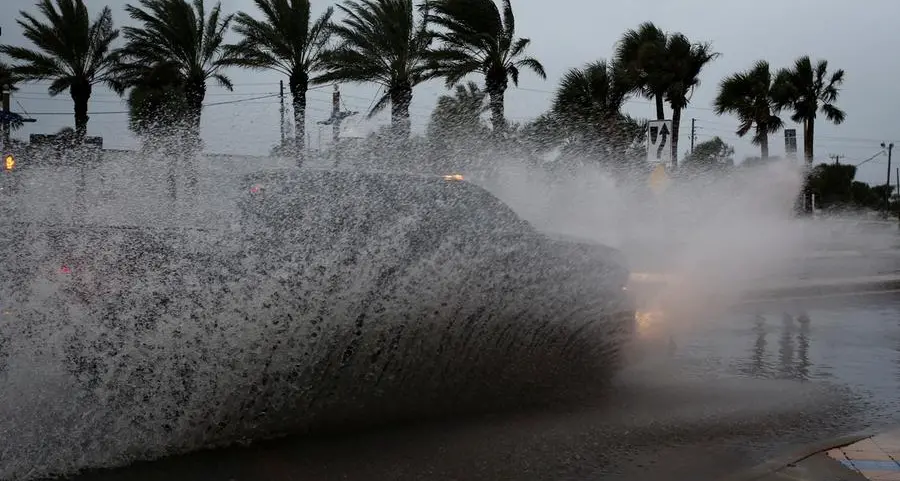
(727, 394)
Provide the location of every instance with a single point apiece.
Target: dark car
(326, 299)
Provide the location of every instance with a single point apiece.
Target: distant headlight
(9, 162)
(453, 177)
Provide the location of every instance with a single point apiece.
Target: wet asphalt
(701, 400)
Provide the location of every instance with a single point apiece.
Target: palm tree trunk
(299, 86)
(401, 98)
(660, 111)
(495, 85)
(81, 95)
(808, 140)
(195, 91)
(764, 146)
(676, 120)
(498, 117)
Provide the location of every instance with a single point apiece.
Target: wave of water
(330, 300)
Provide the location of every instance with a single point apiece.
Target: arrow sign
(664, 134)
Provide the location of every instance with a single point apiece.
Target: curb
(774, 465)
(876, 284)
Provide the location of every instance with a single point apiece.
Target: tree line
(176, 48)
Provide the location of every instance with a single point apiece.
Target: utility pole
(887, 185)
(337, 115)
(281, 97)
(837, 158)
(897, 178)
(693, 133)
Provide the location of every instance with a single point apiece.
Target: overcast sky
(860, 37)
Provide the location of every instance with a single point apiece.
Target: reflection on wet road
(736, 390)
(850, 341)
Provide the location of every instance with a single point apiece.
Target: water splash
(324, 299)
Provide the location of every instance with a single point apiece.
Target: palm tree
(587, 107)
(594, 94)
(477, 38)
(460, 113)
(286, 41)
(72, 52)
(642, 54)
(180, 35)
(749, 95)
(156, 102)
(382, 42)
(683, 63)
(457, 127)
(807, 90)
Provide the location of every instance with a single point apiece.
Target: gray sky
(859, 37)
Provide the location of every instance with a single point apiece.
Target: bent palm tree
(593, 94)
(807, 90)
(72, 52)
(156, 102)
(460, 112)
(381, 42)
(749, 96)
(642, 54)
(588, 103)
(457, 127)
(478, 38)
(683, 64)
(182, 36)
(286, 41)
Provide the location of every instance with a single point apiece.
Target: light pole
(887, 185)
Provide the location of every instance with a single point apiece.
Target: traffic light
(9, 162)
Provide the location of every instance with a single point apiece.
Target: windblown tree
(641, 53)
(683, 64)
(477, 37)
(807, 90)
(285, 40)
(711, 155)
(178, 36)
(749, 96)
(459, 115)
(587, 111)
(157, 102)
(71, 51)
(384, 42)
(591, 96)
(457, 127)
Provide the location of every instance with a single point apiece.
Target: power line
(119, 112)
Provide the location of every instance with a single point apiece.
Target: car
(323, 299)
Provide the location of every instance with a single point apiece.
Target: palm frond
(380, 105)
(70, 48)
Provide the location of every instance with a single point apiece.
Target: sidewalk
(858, 458)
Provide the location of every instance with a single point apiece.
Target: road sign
(659, 138)
(790, 142)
